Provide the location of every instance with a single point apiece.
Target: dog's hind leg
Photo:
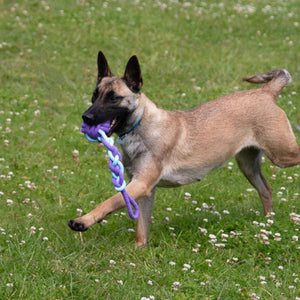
(279, 142)
(249, 161)
(143, 222)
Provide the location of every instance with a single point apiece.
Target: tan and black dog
(173, 148)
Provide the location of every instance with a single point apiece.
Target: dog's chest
(132, 145)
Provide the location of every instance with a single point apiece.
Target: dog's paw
(77, 226)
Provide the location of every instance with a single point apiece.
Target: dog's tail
(276, 79)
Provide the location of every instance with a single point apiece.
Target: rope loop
(98, 134)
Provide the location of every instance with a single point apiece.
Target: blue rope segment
(115, 164)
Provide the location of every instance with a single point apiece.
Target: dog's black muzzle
(94, 116)
(116, 116)
(88, 118)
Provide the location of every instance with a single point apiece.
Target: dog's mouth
(115, 123)
(111, 121)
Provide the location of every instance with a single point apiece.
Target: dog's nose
(88, 118)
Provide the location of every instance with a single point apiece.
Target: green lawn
(215, 244)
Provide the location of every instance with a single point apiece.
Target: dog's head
(115, 98)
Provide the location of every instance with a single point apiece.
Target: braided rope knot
(97, 134)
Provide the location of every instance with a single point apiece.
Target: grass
(189, 53)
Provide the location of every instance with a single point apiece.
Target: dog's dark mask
(106, 102)
(106, 108)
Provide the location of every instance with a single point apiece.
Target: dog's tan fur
(173, 148)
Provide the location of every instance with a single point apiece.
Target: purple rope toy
(98, 134)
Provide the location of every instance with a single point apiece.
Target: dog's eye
(116, 98)
(112, 97)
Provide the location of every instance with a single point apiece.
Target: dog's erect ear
(103, 68)
(133, 75)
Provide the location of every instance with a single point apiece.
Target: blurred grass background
(190, 53)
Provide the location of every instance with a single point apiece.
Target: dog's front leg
(137, 189)
(105, 208)
(143, 222)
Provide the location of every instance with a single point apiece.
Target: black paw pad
(77, 226)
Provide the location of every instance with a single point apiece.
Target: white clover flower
(268, 259)
(209, 261)
(291, 287)
(267, 9)
(251, 9)
(203, 230)
(224, 237)
(187, 196)
(75, 153)
(172, 263)
(277, 237)
(176, 285)
(204, 205)
(270, 214)
(9, 202)
(262, 278)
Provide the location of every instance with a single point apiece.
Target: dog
(173, 148)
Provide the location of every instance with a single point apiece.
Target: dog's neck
(133, 120)
(123, 135)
